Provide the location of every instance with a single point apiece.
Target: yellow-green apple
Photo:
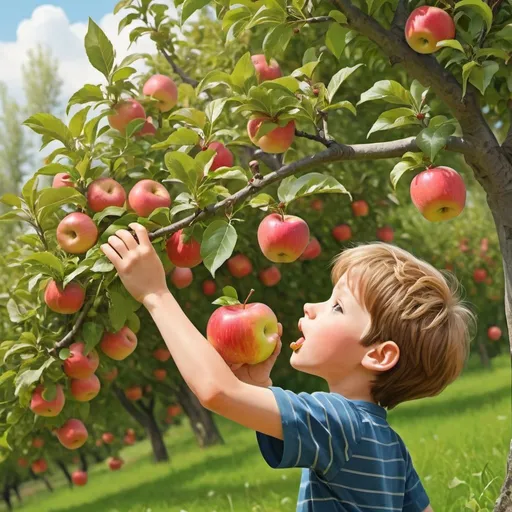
(479, 275)
(385, 234)
(239, 266)
(79, 478)
(23, 462)
(163, 89)
(111, 375)
(160, 373)
(209, 287)
(85, 390)
(426, 26)
(76, 233)
(283, 238)
(78, 365)
(126, 111)
(317, 205)
(243, 333)
(438, 193)
(181, 277)
(277, 140)
(223, 157)
(494, 333)
(183, 252)
(115, 463)
(360, 208)
(312, 250)
(148, 128)
(47, 408)
(174, 410)
(342, 233)
(105, 192)
(161, 354)
(128, 440)
(270, 276)
(64, 300)
(148, 195)
(62, 179)
(39, 466)
(130, 432)
(107, 437)
(264, 69)
(72, 434)
(37, 442)
(119, 345)
(133, 393)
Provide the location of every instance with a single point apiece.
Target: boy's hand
(259, 374)
(137, 263)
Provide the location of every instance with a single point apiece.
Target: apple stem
(248, 296)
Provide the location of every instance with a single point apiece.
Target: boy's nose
(309, 310)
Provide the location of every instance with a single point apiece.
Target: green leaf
(226, 301)
(86, 94)
(123, 74)
(262, 201)
(212, 79)
(229, 291)
(91, 335)
(11, 200)
(479, 6)
(394, 118)
(451, 43)
(50, 391)
(99, 49)
(466, 71)
(47, 259)
(6, 376)
(77, 122)
(50, 126)
(218, 242)
(60, 196)
(27, 378)
(189, 7)
(418, 93)
(183, 167)
(306, 70)
(118, 311)
(407, 164)
(277, 38)
(308, 184)
(103, 264)
(481, 76)
(387, 90)
(492, 52)
(214, 109)
(432, 140)
(121, 5)
(134, 126)
(338, 16)
(505, 33)
(338, 79)
(244, 70)
(64, 354)
(115, 211)
(335, 39)
(341, 104)
(189, 115)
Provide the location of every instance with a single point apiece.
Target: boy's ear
(382, 356)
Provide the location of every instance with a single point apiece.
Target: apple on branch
(277, 140)
(115, 463)
(162, 354)
(242, 333)
(209, 287)
(125, 112)
(223, 156)
(79, 478)
(78, 365)
(133, 393)
(342, 233)
(108, 437)
(62, 179)
(119, 345)
(39, 466)
(239, 266)
(183, 250)
(163, 89)
(264, 69)
(360, 208)
(270, 276)
(73, 434)
(105, 192)
(76, 233)
(182, 277)
(47, 408)
(148, 195)
(66, 300)
(494, 333)
(312, 250)
(84, 390)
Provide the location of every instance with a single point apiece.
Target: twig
(318, 138)
(193, 82)
(400, 17)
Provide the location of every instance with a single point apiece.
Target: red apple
(76, 233)
(72, 434)
(243, 333)
(209, 287)
(282, 239)
(133, 393)
(39, 466)
(65, 301)
(484, 245)
(130, 432)
(360, 208)
(494, 333)
(239, 266)
(181, 277)
(111, 375)
(37, 442)
(223, 158)
(342, 233)
(264, 70)
(163, 89)
(182, 252)
(115, 463)
(47, 408)
(312, 250)
(119, 345)
(78, 365)
(62, 179)
(277, 140)
(98, 442)
(426, 26)
(126, 111)
(84, 390)
(385, 234)
(148, 128)
(105, 192)
(148, 195)
(270, 276)
(479, 275)
(79, 478)
(161, 354)
(128, 440)
(317, 205)
(438, 193)
(160, 374)
(107, 437)
(174, 410)
(23, 462)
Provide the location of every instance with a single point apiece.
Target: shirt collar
(371, 408)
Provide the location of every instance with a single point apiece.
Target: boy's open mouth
(295, 345)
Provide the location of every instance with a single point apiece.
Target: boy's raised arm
(200, 365)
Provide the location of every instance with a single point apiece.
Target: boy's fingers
(280, 329)
(142, 233)
(111, 255)
(127, 238)
(235, 367)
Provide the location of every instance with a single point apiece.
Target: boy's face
(332, 331)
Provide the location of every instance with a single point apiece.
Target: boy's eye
(337, 307)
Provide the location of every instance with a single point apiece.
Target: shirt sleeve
(415, 499)
(320, 431)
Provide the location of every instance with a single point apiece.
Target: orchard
(252, 162)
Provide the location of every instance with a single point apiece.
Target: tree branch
(507, 143)
(178, 70)
(318, 138)
(317, 19)
(400, 17)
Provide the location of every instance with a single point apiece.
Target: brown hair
(417, 307)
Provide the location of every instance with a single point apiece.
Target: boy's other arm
(429, 509)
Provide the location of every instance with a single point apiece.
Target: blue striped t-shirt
(353, 460)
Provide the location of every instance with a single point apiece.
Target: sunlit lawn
(457, 435)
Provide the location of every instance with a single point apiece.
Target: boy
(393, 330)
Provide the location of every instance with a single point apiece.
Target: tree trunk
(16, 488)
(144, 414)
(83, 462)
(7, 496)
(64, 469)
(47, 483)
(201, 419)
(484, 355)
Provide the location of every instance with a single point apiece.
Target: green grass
(462, 434)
